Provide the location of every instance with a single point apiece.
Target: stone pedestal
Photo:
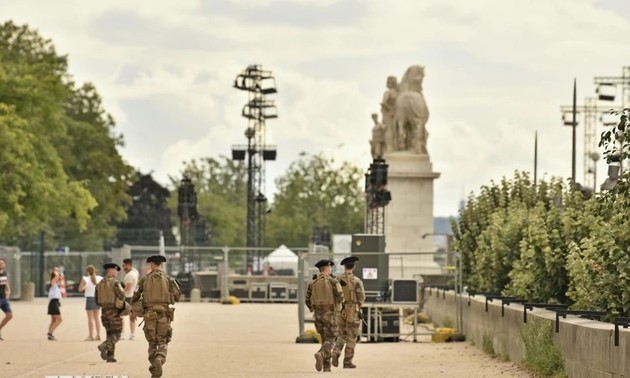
(409, 215)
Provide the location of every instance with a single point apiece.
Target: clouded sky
(496, 71)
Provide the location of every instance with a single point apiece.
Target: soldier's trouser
(112, 322)
(158, 332)
(326, 325)
(349, 327)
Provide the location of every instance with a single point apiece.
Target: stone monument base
(409, 216)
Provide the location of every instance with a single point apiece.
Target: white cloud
(496, 72)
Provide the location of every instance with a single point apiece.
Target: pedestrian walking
(5, 294)
(131, 283)
(348, 321)
(158, 293)
(54, 302)
(93, 310)
(109, 295)
(324, 297)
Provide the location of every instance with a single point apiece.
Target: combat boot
(327, 366)
(103, 351)
(347, 364)
(319, 361)
(110, 357)
(335, 358)
(157, 368)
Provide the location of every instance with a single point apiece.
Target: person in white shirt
(131, 282)
(54, 296)
(88, 285)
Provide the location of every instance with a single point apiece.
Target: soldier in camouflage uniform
(348, 318)
(158, 291)
(110, 296)
(324, 297)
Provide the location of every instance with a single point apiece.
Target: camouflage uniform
(158, 291)
(324, 297)
(348, 318)
(110, 290)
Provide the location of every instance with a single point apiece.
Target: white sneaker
(122, 336)
(131, 337)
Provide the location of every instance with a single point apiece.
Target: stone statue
(388, 107)
(411, 113)
(378, 138)
(404, 114)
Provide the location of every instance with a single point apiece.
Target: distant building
(442, 232)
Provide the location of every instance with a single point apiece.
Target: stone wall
(587, 346)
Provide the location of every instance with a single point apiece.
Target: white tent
(283, 258)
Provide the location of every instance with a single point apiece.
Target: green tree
(315, 191)
(221, 186)
(599, 263)
(515, 237)
(539, 273)
(89, 153)
(35, 187)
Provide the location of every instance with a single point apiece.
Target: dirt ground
(213, 340)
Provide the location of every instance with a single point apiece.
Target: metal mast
(258, 83)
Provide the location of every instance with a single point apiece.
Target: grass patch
(541, 355)
(487, 345)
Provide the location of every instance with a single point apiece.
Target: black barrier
(472, 293)
(592, 315)
(437, 288)
(620, 322)
(546, 306)
(506, 302)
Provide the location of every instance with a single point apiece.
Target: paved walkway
(213, 340)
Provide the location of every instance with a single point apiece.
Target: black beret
(349, 260)
(158, 259)
(111, 266)
(322, 263)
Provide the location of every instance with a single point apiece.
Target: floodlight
(269, 154)
(606, 91)
(567, 118)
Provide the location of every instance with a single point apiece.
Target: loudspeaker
(405, 291)
(373, 265)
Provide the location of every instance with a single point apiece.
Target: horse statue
(411, 113)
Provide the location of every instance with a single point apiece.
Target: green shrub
(487, 345)
(541, 354)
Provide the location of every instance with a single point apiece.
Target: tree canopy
(315, 191)
(221, 186)
(547, 242)
(61, 171)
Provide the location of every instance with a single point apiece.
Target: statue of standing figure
(388, 107)
(377, 142)
(405, 113)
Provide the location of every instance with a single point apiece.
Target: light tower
(258, 83)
